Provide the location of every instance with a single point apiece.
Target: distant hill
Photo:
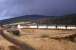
(24, 18)
(40, 19)
(66, 20)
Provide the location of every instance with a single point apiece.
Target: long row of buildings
(47, 27)
(26, 25)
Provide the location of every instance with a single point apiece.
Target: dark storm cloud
(12, 8)
(55, 7)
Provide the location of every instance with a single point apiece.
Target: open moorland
(43, 39)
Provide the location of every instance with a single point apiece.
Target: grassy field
(45, 43)
(40, 39)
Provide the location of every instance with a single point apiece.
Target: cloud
(14, 8)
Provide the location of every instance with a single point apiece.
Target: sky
(14, 8)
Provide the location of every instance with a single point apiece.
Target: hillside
(32, 18)
(40, 19)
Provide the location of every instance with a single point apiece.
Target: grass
(39, 39)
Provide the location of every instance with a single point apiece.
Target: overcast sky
(13, 8)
